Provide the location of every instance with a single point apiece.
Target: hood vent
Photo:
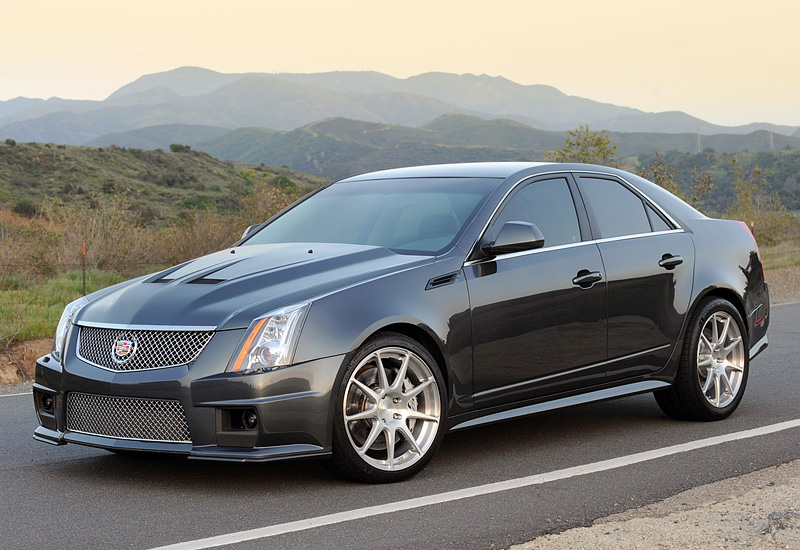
(442, 280)
(206, 281)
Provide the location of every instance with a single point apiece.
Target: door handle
(668, 261)
(586, 278)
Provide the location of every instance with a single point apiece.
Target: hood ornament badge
(124, 349)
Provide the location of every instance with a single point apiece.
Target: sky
(726, 61)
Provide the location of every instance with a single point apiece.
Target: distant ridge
(338, 147)
(288, 101)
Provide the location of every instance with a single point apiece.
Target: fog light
(46, 401)
(249, 419)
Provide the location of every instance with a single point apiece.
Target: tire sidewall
(706, 311)
(343, 450)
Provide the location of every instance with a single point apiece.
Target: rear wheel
(390, 411)
(714, 365)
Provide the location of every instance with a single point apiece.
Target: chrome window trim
(571, 245)
(644, 197)
(123, 326)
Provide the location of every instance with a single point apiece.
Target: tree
(756, 206)
(664, 176)
(584, 145)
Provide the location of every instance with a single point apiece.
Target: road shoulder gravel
(758, 510)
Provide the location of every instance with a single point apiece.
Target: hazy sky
(726, 61)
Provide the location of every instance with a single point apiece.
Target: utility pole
(699, 142)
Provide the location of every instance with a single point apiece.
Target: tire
(387, 428)
(715, 362)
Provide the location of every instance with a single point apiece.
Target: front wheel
(390, 411)
(714, 365)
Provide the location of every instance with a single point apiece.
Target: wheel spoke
(714, 329)
(367, 390)
(370, 441)
(733, 366)
(733, 345)
(705, 342)
(389, 435)
(724, 335)
(383, 381)
(728, 387)
(363, 415)
(397, 385)
(709, 380)
(704, 362)
(410, 438)
(415, 391)
(717, 389)
(416, 415)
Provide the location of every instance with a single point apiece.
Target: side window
(656, 221)
(614, 209)
(549, 205)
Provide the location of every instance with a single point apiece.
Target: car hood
(228, 289)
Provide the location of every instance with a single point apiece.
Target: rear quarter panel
(728, 261)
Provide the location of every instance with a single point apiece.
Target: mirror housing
(249, 231)
(514, 237)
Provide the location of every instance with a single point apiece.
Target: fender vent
(442, 280)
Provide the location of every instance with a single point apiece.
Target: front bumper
(293, 405)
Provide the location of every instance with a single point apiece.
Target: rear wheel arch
(718, 292)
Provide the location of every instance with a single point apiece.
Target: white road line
(17, 394)
(537, 479)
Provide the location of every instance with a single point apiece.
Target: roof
(499, 170)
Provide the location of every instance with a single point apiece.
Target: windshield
(404, 215)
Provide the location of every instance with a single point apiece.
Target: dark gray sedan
(384, 310)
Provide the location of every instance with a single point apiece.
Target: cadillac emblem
(123, 350)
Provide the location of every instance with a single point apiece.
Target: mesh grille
(127, 417)
(125, 350)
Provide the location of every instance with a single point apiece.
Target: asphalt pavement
(77, 497)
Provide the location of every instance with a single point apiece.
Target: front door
(537, 327)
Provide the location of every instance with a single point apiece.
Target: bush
(25, 207)
(178, 148)
(10, 142)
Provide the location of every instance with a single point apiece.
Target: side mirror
(250, 230)
(514, 237)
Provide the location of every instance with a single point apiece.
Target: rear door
(649, 263)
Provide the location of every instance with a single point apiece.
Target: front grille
(126, 350)
(127, 417)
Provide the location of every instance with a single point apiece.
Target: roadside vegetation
(116, 228)
(115, 213)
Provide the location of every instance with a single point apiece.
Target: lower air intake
(127, 418)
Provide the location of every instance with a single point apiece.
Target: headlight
(270, 340)
(59, 341)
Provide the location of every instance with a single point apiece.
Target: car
(375, 315)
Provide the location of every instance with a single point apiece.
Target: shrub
(25, 207)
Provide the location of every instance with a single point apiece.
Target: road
(76, 497)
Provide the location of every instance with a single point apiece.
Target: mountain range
(332, 123)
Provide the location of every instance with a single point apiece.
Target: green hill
(159, 137)
(338, 147)
(159, 184)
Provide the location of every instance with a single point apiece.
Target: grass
(782, 255)
(32, 311)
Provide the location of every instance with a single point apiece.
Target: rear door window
(614, 210)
